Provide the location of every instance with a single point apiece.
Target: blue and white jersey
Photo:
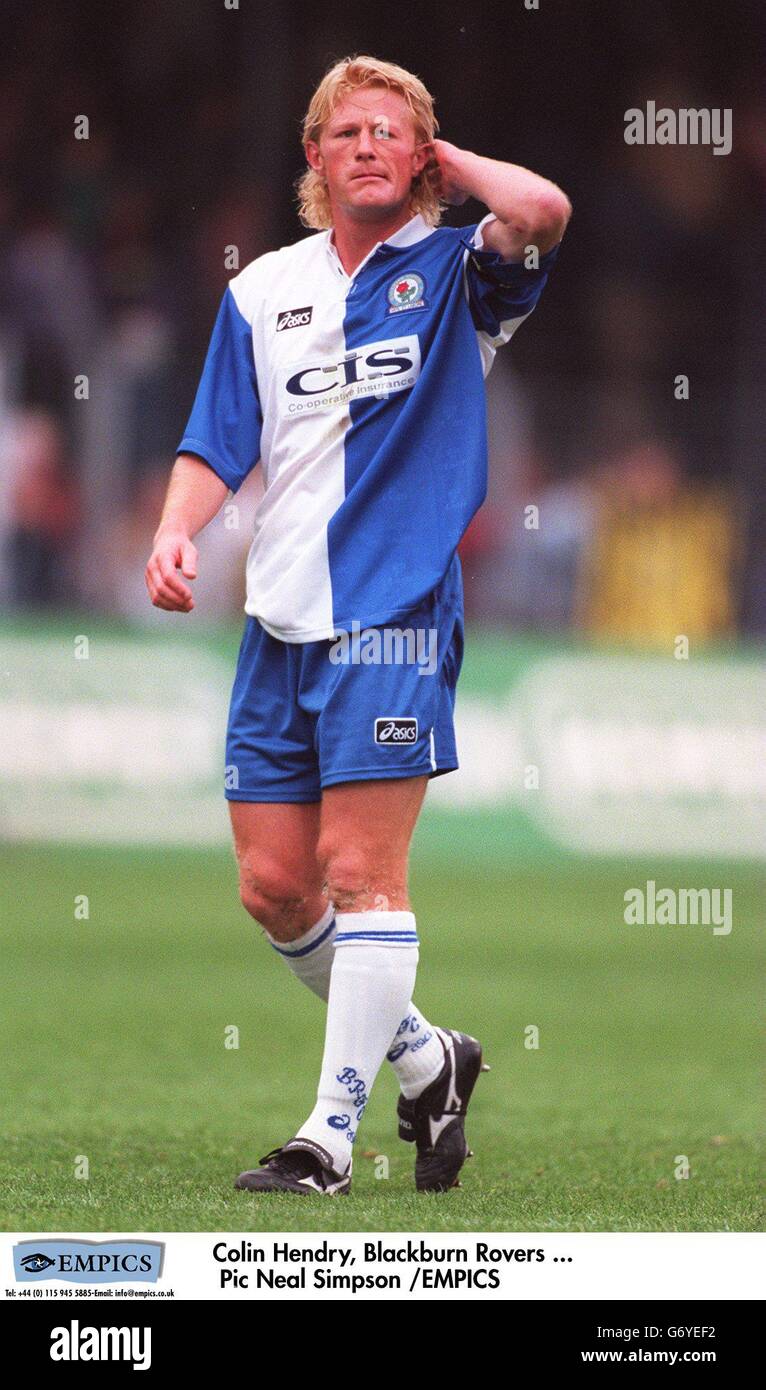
(363, 396)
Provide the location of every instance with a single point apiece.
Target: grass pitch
(115, 1052)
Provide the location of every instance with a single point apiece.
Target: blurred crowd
(621, 504)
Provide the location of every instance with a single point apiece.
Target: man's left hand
(446, 159)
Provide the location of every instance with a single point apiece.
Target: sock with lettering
(376, 959)
(415, 1054)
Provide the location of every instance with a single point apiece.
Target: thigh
(364, 840)
(278, 841)
(374, 814)
(280, 880)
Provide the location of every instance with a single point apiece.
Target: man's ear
(314, 158)
(422, 156)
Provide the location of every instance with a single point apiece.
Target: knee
(356, 881)
(273, 898)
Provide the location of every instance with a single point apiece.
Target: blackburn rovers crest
(406, 292)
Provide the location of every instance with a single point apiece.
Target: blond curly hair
(344, 77)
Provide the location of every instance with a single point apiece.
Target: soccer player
(351, 364)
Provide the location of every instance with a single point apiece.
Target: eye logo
(36, 1262)
(406, 292)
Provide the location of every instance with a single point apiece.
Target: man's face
(368, 154)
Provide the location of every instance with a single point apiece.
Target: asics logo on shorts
(395, 731)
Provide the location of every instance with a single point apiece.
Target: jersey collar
(417, 229)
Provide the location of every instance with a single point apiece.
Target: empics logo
(88, 1261)
(394, 732)
(76, 1343)
(294, 318)
(375, 369)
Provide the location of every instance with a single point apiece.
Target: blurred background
(611, 708)
(626, 505)
(114, 260)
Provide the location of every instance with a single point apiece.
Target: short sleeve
(501, 293)
(224, 427)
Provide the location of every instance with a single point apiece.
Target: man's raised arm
(529, 210)
(195, 494)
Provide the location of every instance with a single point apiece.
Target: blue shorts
(304, 716)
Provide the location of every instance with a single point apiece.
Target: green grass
(114, 1049)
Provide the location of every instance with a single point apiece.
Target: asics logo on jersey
(396, 731)
(374, 369)
(294, 318)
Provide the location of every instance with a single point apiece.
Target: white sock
(376, 959)
(415, 1054)
(311, 956)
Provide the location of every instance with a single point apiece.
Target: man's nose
(365, 145)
